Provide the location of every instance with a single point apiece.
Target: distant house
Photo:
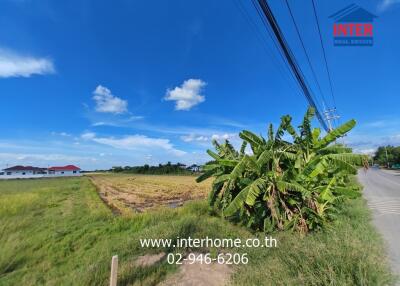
(69, 170)
(194, 168)
(21, 172)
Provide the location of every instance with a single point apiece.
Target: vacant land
(59, 232)
(125, 193)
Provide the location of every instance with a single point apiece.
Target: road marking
(379, 214)
(389, 179)
(385, 206)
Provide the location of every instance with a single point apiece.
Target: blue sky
(104, 83)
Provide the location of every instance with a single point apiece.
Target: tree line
(388, 156)
(161, 169)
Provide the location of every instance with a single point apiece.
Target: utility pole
(330, 115)
(387, 158)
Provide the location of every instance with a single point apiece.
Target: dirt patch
(198, 274)
(149, 259)
(124, 193)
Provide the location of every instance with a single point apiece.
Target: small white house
(69, 170)
(194, 168)
(26, 172)
(22, 172)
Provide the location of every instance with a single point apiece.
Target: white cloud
(225, 136)
(134, 118)
(365, 143)
(187, 95)
(15, 65)
(118, 122)
(193, 137)
(88, 135)
(100, 123)
(90, 155)
(64, 134)
(367, 151)
(385, 4)
(135, 142)
(198, 138)
(43, 159)
(107, 102)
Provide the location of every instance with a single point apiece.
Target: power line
(270, 32)
(278, 47)
(267, 48)
(305, 51)
(329, 113)
(252, 24)
(290, 59)
(276, 44)
(323, 50)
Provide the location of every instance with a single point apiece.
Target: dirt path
(198, 274)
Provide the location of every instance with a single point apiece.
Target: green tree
(283, 184)
(385, 155)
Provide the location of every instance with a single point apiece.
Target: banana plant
(280, 184)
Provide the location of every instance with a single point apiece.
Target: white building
(26, 172)
(69, 170)
(194, 168)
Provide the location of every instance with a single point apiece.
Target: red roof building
(64, 168)
(24, 168)
(21, 172)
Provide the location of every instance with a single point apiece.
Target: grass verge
(59, 232)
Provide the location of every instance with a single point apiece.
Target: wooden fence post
(114, 270)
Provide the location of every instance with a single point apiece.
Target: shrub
(283, 185)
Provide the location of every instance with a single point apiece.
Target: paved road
(382, 191)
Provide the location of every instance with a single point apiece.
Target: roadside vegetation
(282, 185)
(388, 156)
(64, 231)
(161, 169)
(59, 232)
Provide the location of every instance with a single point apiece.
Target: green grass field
(59, 232)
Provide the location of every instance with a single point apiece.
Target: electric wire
(253, 26)
(305, 52)
(323, 51)
(309, 93)
(279, 48)
(290, 59)
(270, 33)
